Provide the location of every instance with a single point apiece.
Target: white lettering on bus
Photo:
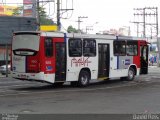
(48, 62)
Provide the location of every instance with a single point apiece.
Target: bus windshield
(25, 44)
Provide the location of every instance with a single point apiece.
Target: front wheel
(84, 79)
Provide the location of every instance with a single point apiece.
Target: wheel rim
(130, 74)
(84, 79)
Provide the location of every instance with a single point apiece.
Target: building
(10, 24)
(6, 10)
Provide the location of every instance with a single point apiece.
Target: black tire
(131, 74)
(123, 78)
(74, 84)
(84, 79)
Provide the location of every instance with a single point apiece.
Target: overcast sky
(108, 13)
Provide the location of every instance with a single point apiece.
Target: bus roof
(80, 35)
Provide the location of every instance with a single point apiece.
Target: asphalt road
(116, 97)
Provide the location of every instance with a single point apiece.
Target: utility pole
(140, 12)
(144, 23)
(149, 18)
(145, 13)
(38, 17)
(58, 16)
(158, 40)
(59, 9)
(79, 21)
(6, 59)
(137, 23)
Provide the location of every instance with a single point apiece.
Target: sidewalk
(154, 69)
(2, 76)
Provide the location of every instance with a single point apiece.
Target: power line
(151, 12)
(60, 9)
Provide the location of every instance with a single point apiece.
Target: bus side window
(89, 47)
(132, 48)
(75, 47)
(48, 47)
(119, 48)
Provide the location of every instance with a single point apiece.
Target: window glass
(89, 47)
(132, 48)
(75, 47)
(119, 48)
(144, 52)
(48, 47)
(25, 52)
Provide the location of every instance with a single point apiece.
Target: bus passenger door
(103, 61)
(144, 59)
(60, 72)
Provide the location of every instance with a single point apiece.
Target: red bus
(56, 58)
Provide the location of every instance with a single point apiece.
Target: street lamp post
(79, 21)
(38, 17)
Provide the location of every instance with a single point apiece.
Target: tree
(18, 11)
(44, 20)
(70, 29)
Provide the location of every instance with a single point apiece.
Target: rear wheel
(84, 79)
(131, 74)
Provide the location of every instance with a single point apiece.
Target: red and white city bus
(56, 57)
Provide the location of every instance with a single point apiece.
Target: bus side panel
(125, 61)
(42, 55)
(47, 64)
(72, 71)
(122, 63)
(136, 61)
(76, 64)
